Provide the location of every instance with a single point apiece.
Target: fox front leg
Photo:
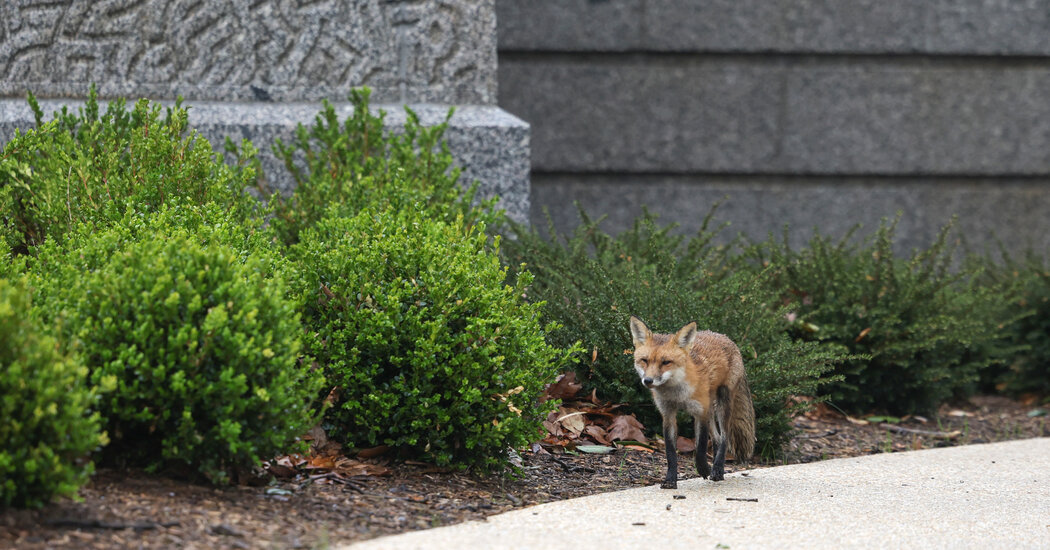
(670, 437)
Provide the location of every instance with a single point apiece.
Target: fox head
(659, 358)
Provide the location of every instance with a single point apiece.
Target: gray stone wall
(803, 112)
(255, 68)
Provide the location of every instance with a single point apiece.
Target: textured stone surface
(239, 50)
(955, 27)
(806, 112)
(490, 145)
(632, 115)
(1013, 210)
(760, 115)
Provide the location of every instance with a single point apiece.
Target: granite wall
(803, 112)
(254, 68)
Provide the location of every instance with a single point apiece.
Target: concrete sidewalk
(977, 496)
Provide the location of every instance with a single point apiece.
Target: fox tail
(742, 422)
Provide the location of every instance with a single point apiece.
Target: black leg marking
(670, 440)
(701, 449)
(721, 418)
(718, 471)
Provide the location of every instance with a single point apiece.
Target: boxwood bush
(191, 341)
(593, 282)
(92, 168)
(357, 164)
(429, 349)
(10, 265)
(923, 327)
(47, 423)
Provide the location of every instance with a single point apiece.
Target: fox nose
(647, 381)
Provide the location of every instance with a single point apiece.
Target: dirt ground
(136, 510)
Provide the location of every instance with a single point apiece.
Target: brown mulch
(136, 510)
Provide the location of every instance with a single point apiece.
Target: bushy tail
(742, 421)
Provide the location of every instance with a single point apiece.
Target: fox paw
(669, 485)
(704, 471)
(718, 475)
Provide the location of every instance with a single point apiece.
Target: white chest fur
(677, 395)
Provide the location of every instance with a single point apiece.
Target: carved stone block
(439, 51)
(255, 68)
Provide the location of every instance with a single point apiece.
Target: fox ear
(684, 336)
(639, 332)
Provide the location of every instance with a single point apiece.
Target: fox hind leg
(701, 447)
(720, 422)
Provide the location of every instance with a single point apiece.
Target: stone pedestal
(254, 69)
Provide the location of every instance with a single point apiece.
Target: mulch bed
(136, 510)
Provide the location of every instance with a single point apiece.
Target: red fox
(702, 373)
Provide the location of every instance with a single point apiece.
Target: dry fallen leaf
(373, 451)
(598, 434)
(573, 421)
(333, 397)
(565, 387)
(627, 428)
(281, 471)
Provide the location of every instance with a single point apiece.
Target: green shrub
(1026, 283)
(431, 351)
(923, 331)
(10, 265)
(593, 282)
(357, 165)
(192, 342)
(47, 425)
(87, 168)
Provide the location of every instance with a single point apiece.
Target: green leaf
(595, 449)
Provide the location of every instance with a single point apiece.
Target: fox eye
(643, 361)
(665, 362)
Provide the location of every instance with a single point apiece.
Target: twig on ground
(814, 436)
(354, 484)
(938, 435)
(742, 499)
(99, 524)
(571, 467)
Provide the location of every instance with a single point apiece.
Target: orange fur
(685, 372)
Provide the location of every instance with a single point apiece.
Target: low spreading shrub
(922, 329)
(1025, 282)
(427, 347)
(91, 168)
(357, 165)
(47, 423)
(191, 341)
(593, 282)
